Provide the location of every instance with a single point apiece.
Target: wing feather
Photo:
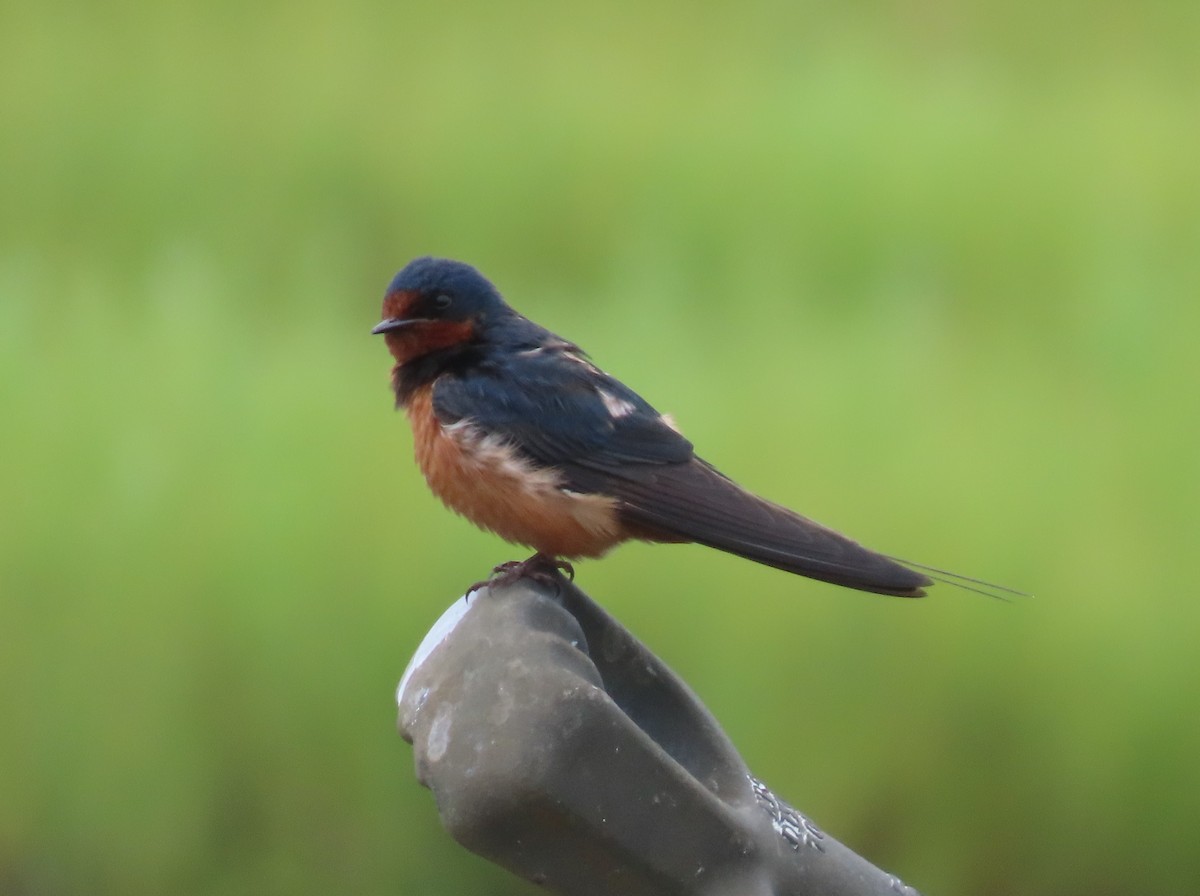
(695, 502)
(558, 410)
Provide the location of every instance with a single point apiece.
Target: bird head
(435, 304)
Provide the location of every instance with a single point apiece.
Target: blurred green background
(929, 273)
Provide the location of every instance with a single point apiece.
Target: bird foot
(540, 567)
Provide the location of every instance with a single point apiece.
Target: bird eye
(442, 302)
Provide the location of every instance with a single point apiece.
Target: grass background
(927, 272)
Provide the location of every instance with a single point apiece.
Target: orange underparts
(482, 478)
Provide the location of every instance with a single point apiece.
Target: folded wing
(558, 410)
(695, 502)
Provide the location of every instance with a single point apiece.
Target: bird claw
(548, 564)
(540, 567)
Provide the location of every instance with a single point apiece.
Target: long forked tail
(695, 502)
(966, 583)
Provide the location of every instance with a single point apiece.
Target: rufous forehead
(398, 304)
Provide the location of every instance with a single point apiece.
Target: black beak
(394, 323)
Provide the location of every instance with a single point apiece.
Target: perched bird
(517, 430)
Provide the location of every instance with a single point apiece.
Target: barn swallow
(517, 430)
